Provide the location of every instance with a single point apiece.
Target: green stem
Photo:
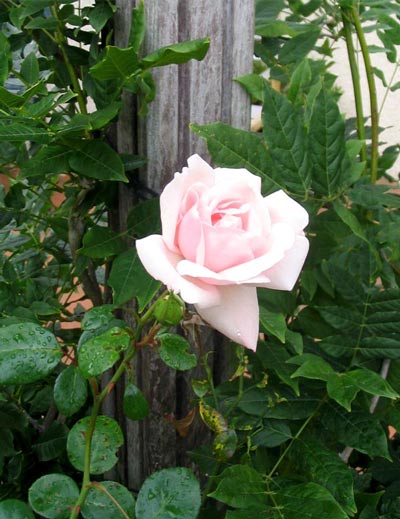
(372, 96)
(61, 40)
(356, 83)
(98, 399)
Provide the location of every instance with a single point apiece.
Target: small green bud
(169, 310)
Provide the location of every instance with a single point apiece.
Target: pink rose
(220, 240)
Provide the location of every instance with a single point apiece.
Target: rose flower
(220, 240)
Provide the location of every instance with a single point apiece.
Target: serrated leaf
(325, 467)
(358, 429)
(129, 279)
(53, 496)
(96, 159)
(300, 78)
(177, 53)
(313, 500)
(233, 148)
(70, 391)
(173, 351)
(107, 439)
(28, 352)
(102, 351)
(102, 242)
(252, 495)
(299, 46)
(328, 159)
(171, 492)
(283, 129)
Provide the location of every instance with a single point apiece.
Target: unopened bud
(169, 310)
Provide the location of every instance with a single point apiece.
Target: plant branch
(372, 96)
(356, 83)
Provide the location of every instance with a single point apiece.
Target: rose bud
(169, 310)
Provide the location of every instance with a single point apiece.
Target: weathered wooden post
(199, 92)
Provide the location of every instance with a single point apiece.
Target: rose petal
(161, 263)
(284, 209)
(236, 316)
(284, 274)
(227, 176)
(171, 197)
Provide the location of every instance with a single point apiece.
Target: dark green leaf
(300, 79)
(107, 439)
(284, 132)
(169, 493)
(102, 242)
(298, 47)
(101, 500)
(28, 352)
(52, 496)
(98, 160)
(273, 433)
(70, 391)
(97, 317)
(51, 443)
(99, 15)
(273, 324)
(49, 160)
(173, 351)
(251, 496)
(135, 405)
(254, 84)
(313, 500)
(30, 69)
(178, 53)
(129, 279)
(103, 351)
(16, 132)
(15, 509)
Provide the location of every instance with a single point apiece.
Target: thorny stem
(356, 83)
(372, 96)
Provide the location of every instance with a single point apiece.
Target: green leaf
(144, 218)
(12, 417)
(225, 444)
(372, 383)
(52, 496)
(70, 391)
(313, 500)
(98, 160)
(233, 148)
(134, 404)
(324, 467)
(100, 353)
(28, 352)
(15, 509)
(177, 53)
(10, 100)
(300, 79)
(51, 444)
(274, 357)
(16, 132)
(252, 494)
(173, 351)
(298, 47)
(373, 196)
(328, 159)
(273, 433)
(273, 324)
(5, 58)
(49, 160)
(107, 439)
(284, 132)
(100, 502)
(97, 317)
(102, 242)
(312, 366)
(116, 64)
(254, 84)
(99, 15)
(30, 69)
(129, 279)
(138, 27)
(360, 430)
(169, 493)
